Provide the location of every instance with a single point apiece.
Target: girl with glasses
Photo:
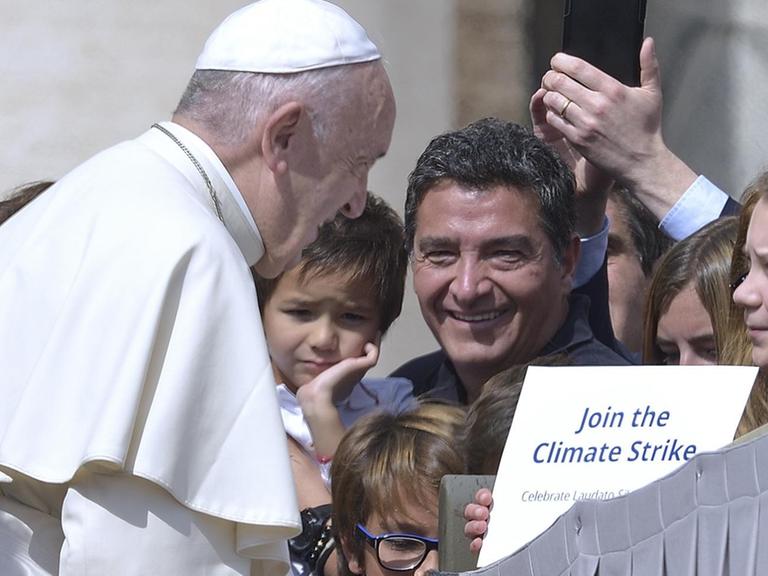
(386, 477)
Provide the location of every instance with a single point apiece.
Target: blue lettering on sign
(558, 453)
(670, 451)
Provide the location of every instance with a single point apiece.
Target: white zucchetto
(286, 36)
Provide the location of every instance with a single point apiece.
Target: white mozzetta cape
(130, 338)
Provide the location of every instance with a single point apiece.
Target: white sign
(599, 432)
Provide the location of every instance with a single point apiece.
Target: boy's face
(414, 516)
(312, 325)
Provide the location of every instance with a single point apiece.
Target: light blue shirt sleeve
(701, 203)
(593, 249)
(698, 206)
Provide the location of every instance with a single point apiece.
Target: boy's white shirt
(297, 428)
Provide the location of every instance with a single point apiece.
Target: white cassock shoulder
(130, 338)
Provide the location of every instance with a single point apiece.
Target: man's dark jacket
(433, 374)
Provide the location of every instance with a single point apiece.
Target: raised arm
(617, 127)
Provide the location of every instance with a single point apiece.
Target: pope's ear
(280, 128)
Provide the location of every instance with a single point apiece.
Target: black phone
(607, 34)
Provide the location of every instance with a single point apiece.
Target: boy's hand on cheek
(350, 371)
(337, 381)
(317, 397)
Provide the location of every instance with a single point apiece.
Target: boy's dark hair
(370, 248)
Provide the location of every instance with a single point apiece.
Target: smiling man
(490, 228)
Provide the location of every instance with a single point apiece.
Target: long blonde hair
(703, 261)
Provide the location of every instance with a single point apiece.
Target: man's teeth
(476, 317)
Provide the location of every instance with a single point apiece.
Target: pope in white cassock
(139, 428)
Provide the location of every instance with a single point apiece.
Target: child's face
(413, 518)
(312, 325)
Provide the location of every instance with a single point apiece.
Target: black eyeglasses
(399, 552)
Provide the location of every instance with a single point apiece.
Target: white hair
(231, 103)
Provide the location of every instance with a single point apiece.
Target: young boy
(323, 321)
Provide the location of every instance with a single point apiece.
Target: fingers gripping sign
(477, 514)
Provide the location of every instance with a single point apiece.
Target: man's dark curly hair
(490, 153)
